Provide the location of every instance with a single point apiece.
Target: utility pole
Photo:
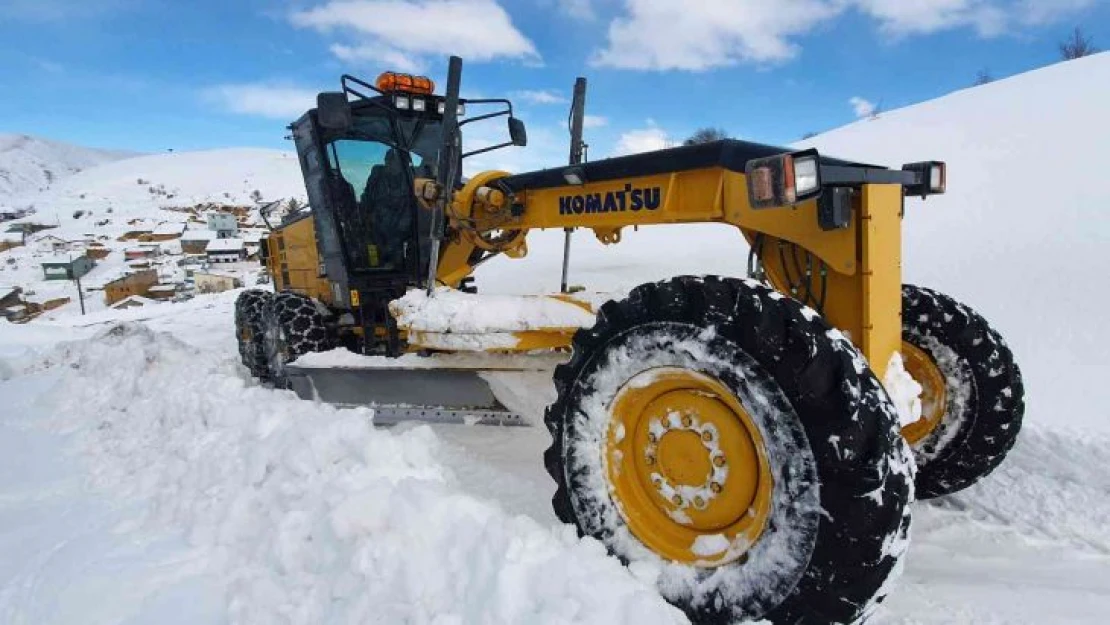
(80, 292)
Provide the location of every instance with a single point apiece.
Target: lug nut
(677, 500)
(719, 461)
(715, 487)
(707, 435)
(649, 460)
(652, 437)
(699, 502)
(687, 421)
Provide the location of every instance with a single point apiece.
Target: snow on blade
(455, 312)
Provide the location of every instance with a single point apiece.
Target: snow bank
(307, 514)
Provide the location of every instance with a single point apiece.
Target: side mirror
(517, 132)
(333, 111)
(784, 180)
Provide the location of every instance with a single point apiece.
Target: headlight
(806, 178)
(784, 179)
(401, 102)
(419, 104)
(932, 178)
(443, 106)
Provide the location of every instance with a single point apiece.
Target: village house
(167, 231)
(162, 291)
(11, 307)
(196, 241)
(225, 225)
(51, 243)
(137, 283)
(132, 301)
(226, 251)
(142, 251)
(8, 240)
(66, 266)
(7, 214)
(215, 282)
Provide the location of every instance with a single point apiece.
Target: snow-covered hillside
(30, 164)
(137, 188)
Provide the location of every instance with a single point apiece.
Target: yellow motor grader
(730, 433)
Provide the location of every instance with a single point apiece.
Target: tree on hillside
(706, 135)
(983, 77)
(1077, 46)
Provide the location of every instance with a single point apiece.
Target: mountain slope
(29, 164)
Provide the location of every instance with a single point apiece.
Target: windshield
(374, 167)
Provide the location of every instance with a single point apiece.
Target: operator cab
(363, 152)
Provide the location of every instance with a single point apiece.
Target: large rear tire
(294, 326)
(686, 378)
(250, 308)
(973, 400)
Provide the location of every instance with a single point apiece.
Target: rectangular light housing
(933, 176)
(784, 179)
(442, 106)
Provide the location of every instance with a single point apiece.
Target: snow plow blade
(399, 394)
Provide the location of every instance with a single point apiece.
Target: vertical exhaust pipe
(577, 155)
(448, 171)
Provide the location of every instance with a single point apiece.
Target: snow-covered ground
(145, 478)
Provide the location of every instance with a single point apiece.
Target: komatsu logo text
(630, 199)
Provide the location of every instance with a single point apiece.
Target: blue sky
(152, 75)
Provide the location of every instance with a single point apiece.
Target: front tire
(250, 308)
(294, 326)
(973, 400)
(830, 485)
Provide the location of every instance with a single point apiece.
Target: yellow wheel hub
(934, 393)
(688, 468)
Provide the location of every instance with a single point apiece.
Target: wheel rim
(687, 467)
(934, 392)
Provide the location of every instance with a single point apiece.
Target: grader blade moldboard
(397, 395)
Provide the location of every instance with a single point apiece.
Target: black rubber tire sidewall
(294, 326)
(250, 310)
(863, 464)
(986, 395)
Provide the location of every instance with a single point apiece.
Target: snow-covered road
(145, 478)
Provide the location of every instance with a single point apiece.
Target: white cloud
(477, 30)
(642, 140)
(703, 34)
(382, 57)
(594, 121)
(265, 100)
(988, 17)
(578, 9)
(539, 96)
(898, 17)
(862, 107)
